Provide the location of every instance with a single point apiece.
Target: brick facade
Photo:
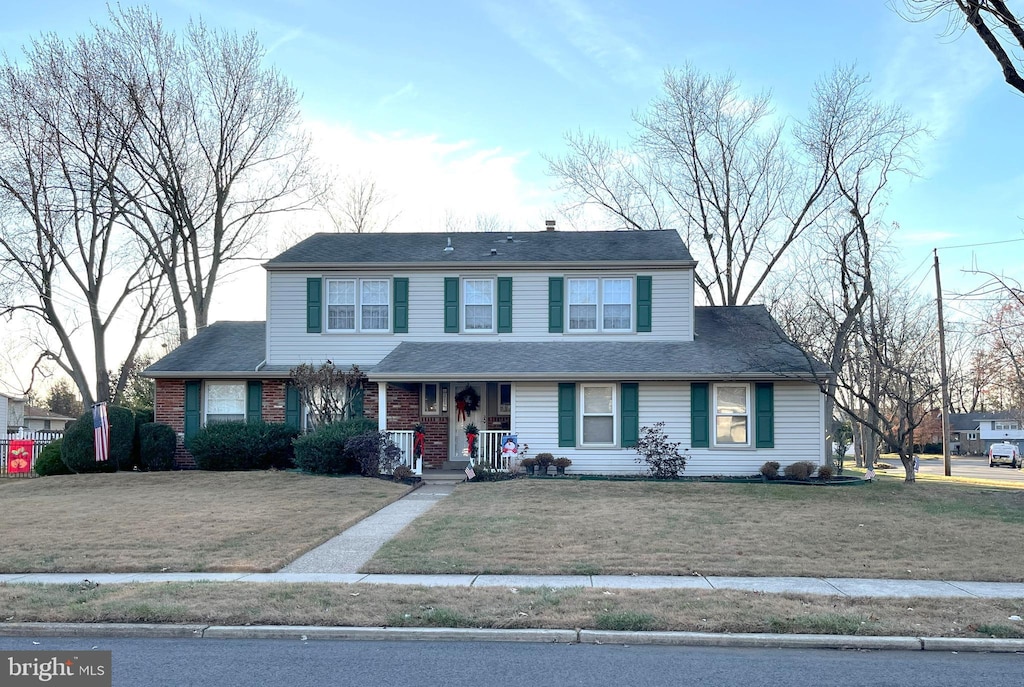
(404, 413)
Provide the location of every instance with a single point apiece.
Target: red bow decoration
(417, 445)
(471, 443)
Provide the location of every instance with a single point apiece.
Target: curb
(703, 639)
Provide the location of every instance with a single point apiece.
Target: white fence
(39, 440)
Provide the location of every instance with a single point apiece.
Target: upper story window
(732, 414)
(478, 305)
(1005, 424)
(358, 305)
(600, 305)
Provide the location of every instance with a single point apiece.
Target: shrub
(241, 445)
(142, 416)
(78, 451)
(802, 469)
(661, 455)
(157, 444)
(49, 461)
(323, 451)
(401, 473)
(770, 470)
(825, 473)
(375, 451)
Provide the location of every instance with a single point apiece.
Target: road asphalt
(337, 561)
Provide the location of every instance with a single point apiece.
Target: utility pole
(942, 369)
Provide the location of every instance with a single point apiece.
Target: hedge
(323, 452)
(49, 461)
(242, 446)
(78, 448)
(157, 444)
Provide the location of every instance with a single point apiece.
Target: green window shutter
(643, 304)
(355, 404)
(504, 304)
(451, 305)
(401, 300)
(700, 425)
(314, 304)
(764, 414)
(291, 407)
(629, 415)
(254, 402)
(567, 414)
(556, 310)
(191, 408)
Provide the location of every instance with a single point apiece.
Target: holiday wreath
(466, 401)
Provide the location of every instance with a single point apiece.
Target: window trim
(223, 382)
(615, 415)
(504, 408)
(715, 414)
(437, 398)
(599, 318)
(464, 303)
(357, 316)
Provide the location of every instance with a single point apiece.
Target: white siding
(799, 430)
(3, 414)
(288, 343)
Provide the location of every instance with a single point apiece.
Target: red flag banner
(101, 432)
(19, 456)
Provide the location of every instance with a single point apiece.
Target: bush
(402, 473)
(825, 473)
(49, 461)
(142, 416)
(376, 453)
(802, 469)
(661, 455)
(323, 452)
(157, 445)
(770, 470)
(242, 445)
(78, 451)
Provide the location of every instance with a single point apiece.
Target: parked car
(1004, 454)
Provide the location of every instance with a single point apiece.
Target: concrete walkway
(852, 587)
(350, 550)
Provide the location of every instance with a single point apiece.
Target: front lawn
(178, 521)
(885, 529)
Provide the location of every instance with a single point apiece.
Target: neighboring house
(973, 433)
(12, 412)
(37, 419)
(574, 341)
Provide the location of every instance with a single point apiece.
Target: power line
(979, 245)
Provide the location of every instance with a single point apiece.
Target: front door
(469, 412)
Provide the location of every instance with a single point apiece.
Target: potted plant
(543, 461)
(530, 464)
(472, 432)
(561, 463)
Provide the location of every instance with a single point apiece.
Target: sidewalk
(852, 587)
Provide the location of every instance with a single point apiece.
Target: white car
(1004, 454)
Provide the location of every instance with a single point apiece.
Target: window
(597, 418)
(478, 299)
(732, 414)
(504, 399)
(225, 402)
(972, 436)
(612, 298)
(1005, 425)
(430, 400)
(374, 305)
(956, 436)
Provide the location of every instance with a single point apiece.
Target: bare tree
(327, 392)
(214, 142)
(995, 23)
(714, 164)
(66, 242)
(360, 207)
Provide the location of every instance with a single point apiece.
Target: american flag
(101, 432)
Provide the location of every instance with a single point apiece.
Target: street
(234, 663)
(961, 466)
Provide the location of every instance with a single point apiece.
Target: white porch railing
(403, 440)
(489, 455)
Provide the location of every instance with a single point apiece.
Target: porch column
(382, 406)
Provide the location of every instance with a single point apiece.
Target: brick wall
(404, 413)
(170, 410)
(273, 400)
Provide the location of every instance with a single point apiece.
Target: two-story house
(974, 433)
(573, 341)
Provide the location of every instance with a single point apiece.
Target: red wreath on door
(466, 401)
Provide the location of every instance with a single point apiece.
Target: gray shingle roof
(525, 248)
(969, 422)
(226, 348)
(730, 342)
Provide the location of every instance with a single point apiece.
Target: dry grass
(178, 521)
(885, 529)
(375, 606)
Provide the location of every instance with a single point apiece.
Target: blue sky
(451, 105)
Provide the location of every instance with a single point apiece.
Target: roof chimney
(549, 225)
(448, 248)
